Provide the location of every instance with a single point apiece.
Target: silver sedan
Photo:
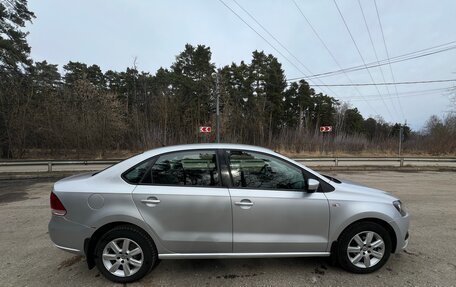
(221, 201)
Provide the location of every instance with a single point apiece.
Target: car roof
(206, 146)
(129, 162)
(114, 171)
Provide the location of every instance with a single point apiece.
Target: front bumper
(401, 228)
(406, 241)
(68, 235)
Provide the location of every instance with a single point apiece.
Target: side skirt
(241, 255)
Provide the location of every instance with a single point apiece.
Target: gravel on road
(30, 259)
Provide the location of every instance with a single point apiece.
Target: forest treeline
(84, 109)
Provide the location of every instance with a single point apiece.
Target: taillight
(57, 206)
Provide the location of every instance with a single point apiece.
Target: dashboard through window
(187, 168)
(260, 171)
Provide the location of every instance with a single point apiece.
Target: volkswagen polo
(221, 201)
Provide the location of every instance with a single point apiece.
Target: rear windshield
(95, 173)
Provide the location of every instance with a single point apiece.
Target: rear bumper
(68, 235)
(71, 250)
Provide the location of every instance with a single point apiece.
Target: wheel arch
(91, 242)
(381, 222)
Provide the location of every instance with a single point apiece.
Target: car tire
(125, 254)
(363, 247)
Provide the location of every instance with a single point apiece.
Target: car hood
(359, 190)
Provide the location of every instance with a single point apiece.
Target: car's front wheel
(125, 254)
(364, 247)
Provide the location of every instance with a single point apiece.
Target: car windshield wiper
(332, 178)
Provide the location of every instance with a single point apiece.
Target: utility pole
(217, 91)
(401, 130)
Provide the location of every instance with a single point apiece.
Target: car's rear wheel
(125, 254)
(364, 247)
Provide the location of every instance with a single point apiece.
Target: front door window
(260, 171)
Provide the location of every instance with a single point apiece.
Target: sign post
(218, 105)
(205, 130)
(326, 129)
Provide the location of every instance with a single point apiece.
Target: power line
(271, 35)
(375, 51)
(329, 51)
(440, 91)
(390, 83)
(448, 89)
(283, 46)
(392, 60)
(269, 43)
(406, 96)
(280, 43)
(262, 37)
(387, 56)
(359, 52)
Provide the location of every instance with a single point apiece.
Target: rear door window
(186, 168)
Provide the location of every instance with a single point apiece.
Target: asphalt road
(29, 259)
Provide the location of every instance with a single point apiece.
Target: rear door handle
(151, 201)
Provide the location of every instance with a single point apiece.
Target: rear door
(272, 212)
(181, 197)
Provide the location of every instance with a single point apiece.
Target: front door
(183, 201)
(272, 211)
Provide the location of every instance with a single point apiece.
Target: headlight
(400, 207)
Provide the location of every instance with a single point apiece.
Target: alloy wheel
(122, 257)
(366, 249)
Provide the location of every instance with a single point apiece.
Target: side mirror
(312, 185)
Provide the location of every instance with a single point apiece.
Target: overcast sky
(112, 33)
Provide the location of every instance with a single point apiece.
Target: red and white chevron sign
(326, 129)
(205, 129)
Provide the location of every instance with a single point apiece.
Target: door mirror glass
(312, 185)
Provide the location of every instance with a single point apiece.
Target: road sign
(326, 129)
(205, 129)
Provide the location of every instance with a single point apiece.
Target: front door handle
(240, 203)
(151, 201)
(244, 203)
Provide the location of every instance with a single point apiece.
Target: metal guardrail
(336, 160)
(51, 163)
(401, 160)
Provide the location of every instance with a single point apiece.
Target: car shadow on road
(214, 269)
(16, 190)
